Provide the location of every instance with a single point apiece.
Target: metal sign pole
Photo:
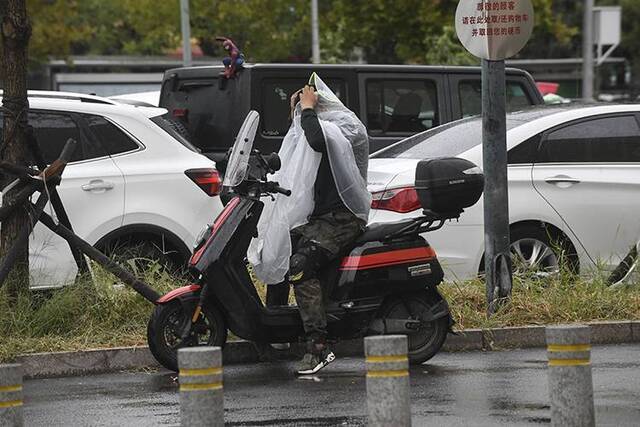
(494, 31)
(497, 262)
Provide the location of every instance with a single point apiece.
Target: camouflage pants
(321, 240)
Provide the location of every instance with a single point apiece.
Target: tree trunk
(15, 31)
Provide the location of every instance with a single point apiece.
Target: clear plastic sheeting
(239, 159)
(346, 139)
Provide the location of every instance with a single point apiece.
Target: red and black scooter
(386, 284)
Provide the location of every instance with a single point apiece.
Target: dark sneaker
(313, 362)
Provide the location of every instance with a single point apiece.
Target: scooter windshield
(239, 159)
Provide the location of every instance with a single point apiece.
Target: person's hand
(294, 100)
(308, 98)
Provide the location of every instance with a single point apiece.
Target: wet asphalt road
(453, 389)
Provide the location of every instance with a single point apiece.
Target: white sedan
(574, 187)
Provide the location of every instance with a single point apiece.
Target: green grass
(80, 316)
(87, 315)
(563, 299)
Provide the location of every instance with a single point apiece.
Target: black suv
(393, 101)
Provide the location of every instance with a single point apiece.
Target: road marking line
(206, 386)
(199, 372)
(10, 388)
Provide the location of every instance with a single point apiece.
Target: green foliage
(414, 31)
(554, 31)
(387, 31)
(102, 27)
(446, 49)
(539, 301)
(55, 27)
(266, 30)
(80, 316)
(105, 314)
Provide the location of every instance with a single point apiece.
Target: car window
(167, 123)
(276, 98)
(470, 95)
(398, 107)
(525, 152)
(603, 140)
(110, 137)
(52, 130)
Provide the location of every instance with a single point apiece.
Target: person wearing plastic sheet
(325, 158)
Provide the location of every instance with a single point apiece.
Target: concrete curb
(40, 365)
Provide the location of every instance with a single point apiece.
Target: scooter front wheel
(425, 342)
(169, 321)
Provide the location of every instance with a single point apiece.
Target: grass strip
(103, 314)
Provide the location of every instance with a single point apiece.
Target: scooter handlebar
(274, 187)
(281, 190)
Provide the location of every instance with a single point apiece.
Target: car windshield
(453, 139)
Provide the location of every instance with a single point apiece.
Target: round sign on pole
(494, 30)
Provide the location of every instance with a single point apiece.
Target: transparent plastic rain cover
(348, 151)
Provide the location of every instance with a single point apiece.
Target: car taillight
(401, 200)
(180, 112)
(207, 179)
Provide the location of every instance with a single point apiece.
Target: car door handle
(97, 185)
(560, 179)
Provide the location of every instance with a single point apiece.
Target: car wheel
(143, 256)
(535, 250)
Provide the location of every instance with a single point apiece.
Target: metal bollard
(11, 395)
(201, 399)
(387, 381)
(570, 380)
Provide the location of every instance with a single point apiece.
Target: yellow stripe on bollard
(205, 386)
(387, 374)
(558, 348)
(11, 404)
(10, 388)
(385, 359)
(199, 372)
(569, 362)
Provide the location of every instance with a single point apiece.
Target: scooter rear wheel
(165, 328)
(428, 340)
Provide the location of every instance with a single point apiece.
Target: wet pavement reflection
(478, 388)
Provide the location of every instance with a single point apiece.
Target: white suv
(132, 181)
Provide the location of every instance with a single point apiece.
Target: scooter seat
(378, 232)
